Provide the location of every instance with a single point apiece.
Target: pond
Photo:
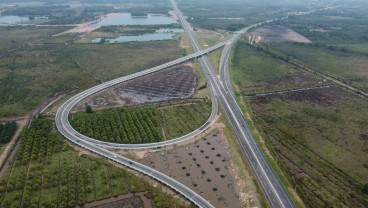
(140, 38)
(12, 19)
(128, 19)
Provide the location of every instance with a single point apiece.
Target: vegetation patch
(58, 13)
(318, 135)
(34, 65)
(320, 140)
(339, 47)
(127, 125)
(135, 29)
(255, 71)
(47, 172)
(145, 124)
(233, 15)
(7, 131)
(340, 25)
(178, 120)
(345, 65)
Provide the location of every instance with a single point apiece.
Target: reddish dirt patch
(277, 33)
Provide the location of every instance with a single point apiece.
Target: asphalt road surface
(63, 125)
(220, 89)
(271, 186)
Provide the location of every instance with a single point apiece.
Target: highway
(175, 185)
(63, 125)
(65, 109)
(190, 135)
(220, 88)
(270, 184)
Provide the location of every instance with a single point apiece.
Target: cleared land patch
(277, 33)
(175, 83)
(143, 124)
(204, 166)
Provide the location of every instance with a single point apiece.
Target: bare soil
(277, 33)
(204, 166)
(295, 79)
(136, 200)
(175, 83)
(320, 97)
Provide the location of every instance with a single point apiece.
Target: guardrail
(65, 109)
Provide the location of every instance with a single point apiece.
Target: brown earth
(136, 200)
(178, 82)
(206, 167)
(320, 97)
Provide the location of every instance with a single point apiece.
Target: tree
(365, 188)
(89, 109)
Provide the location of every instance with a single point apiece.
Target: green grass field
(344, 65)
(255, 71)
(179, 120)
(344, 24)
(229, 15)
(142, 124)
(339, 42)
(35, 65)
(318, 137)
(47, 172)
(320, 140)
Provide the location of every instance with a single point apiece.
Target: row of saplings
(131, 125)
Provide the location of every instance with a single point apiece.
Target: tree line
(7, 131)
